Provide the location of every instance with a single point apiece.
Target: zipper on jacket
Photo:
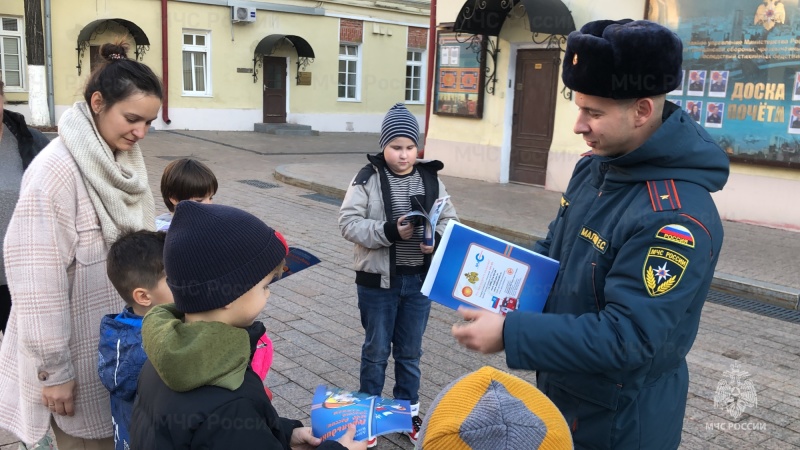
(594, 288)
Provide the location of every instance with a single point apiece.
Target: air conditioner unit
(243, 14)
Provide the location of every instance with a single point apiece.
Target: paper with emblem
(475, 269)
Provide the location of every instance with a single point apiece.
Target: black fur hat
(623, 59)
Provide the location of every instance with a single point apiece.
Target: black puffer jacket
(30, 141)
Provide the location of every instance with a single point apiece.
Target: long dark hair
(118, 77)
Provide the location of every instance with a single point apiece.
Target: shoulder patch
(663, 195)
(564, 201)
(662, 270)
(678, 234)
(364, 175)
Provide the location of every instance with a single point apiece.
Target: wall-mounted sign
(459, 75)
(244, 70)
(304, 78)
(741, 78)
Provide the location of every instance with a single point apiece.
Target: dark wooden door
(274, 89)
(534, 113)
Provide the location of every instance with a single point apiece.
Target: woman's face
(127, 121)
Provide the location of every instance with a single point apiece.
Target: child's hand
(347, 439)
(405, 227)
(302, 439)
(426, 249)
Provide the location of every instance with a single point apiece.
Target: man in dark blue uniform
(637, 237)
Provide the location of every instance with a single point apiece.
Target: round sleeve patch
(663, 269)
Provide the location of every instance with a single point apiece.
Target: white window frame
(422, 75)
(208, 92)
(20, 35)
(359, 71)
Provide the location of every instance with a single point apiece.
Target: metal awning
(96, 27)
(267, 45)
(487, 16)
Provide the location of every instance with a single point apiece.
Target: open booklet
(475, 269)
(297, 260)
(431, 218)
(333, 409)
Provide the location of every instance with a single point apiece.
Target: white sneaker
(372, 442)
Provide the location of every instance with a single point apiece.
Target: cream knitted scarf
(117, 182)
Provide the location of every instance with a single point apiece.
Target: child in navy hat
(197, 385)
(390, 257)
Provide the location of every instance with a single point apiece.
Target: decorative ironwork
(302, 63)
(81, 51)
(554, 41)
(566, 93)
(140, 51)
(258, 63)
(483, 48)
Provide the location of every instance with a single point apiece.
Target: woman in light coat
(77, 196)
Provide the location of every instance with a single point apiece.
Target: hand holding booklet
(475, 269)
(333, 409)
(430, 218)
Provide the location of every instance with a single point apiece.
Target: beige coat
(55, 260)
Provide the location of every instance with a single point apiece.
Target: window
(197, 63)
(414, 66)
(349, 62)
(11, 62)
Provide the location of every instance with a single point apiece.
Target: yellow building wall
(232, 47)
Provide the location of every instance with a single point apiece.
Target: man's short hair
(185, 179)
(136, 260)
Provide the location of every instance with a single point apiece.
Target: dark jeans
(5, 306)
(394, 320)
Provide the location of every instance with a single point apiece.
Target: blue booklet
(297, 260)
(333, 409)
(475, 269)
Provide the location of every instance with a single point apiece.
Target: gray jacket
(362, 219)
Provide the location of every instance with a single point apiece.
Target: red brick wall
(351, 30)
(417, 37)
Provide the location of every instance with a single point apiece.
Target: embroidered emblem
(677, 234)
(575, 59)
(665, 197)
(472, 277)
(564, 201)
(595, 239)
(662, 270)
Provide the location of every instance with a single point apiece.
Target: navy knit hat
(214, 254)
(623, 59)
(399, 122)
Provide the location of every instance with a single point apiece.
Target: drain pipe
(164, 64)
(48, 62)
(431, 63)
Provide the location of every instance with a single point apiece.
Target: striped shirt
(401, 189)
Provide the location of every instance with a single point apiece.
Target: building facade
(515, 123)
(336, 66)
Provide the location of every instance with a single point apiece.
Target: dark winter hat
(623, 59)
(399, 122)
(214, 253)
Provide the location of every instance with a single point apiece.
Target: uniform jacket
(120, 359)
(55, 263)
(638, 237)
(198, 391)
(363, 218)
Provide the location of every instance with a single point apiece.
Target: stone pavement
(312, 317)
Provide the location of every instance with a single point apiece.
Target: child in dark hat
(197, 387)
(390, 257)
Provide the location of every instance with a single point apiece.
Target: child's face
(400, 155)
(207, 199)
(244, 310)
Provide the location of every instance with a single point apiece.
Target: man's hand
(59, 399)
(483, 333)
(347, 440)
(302, 439)
(405, 227)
